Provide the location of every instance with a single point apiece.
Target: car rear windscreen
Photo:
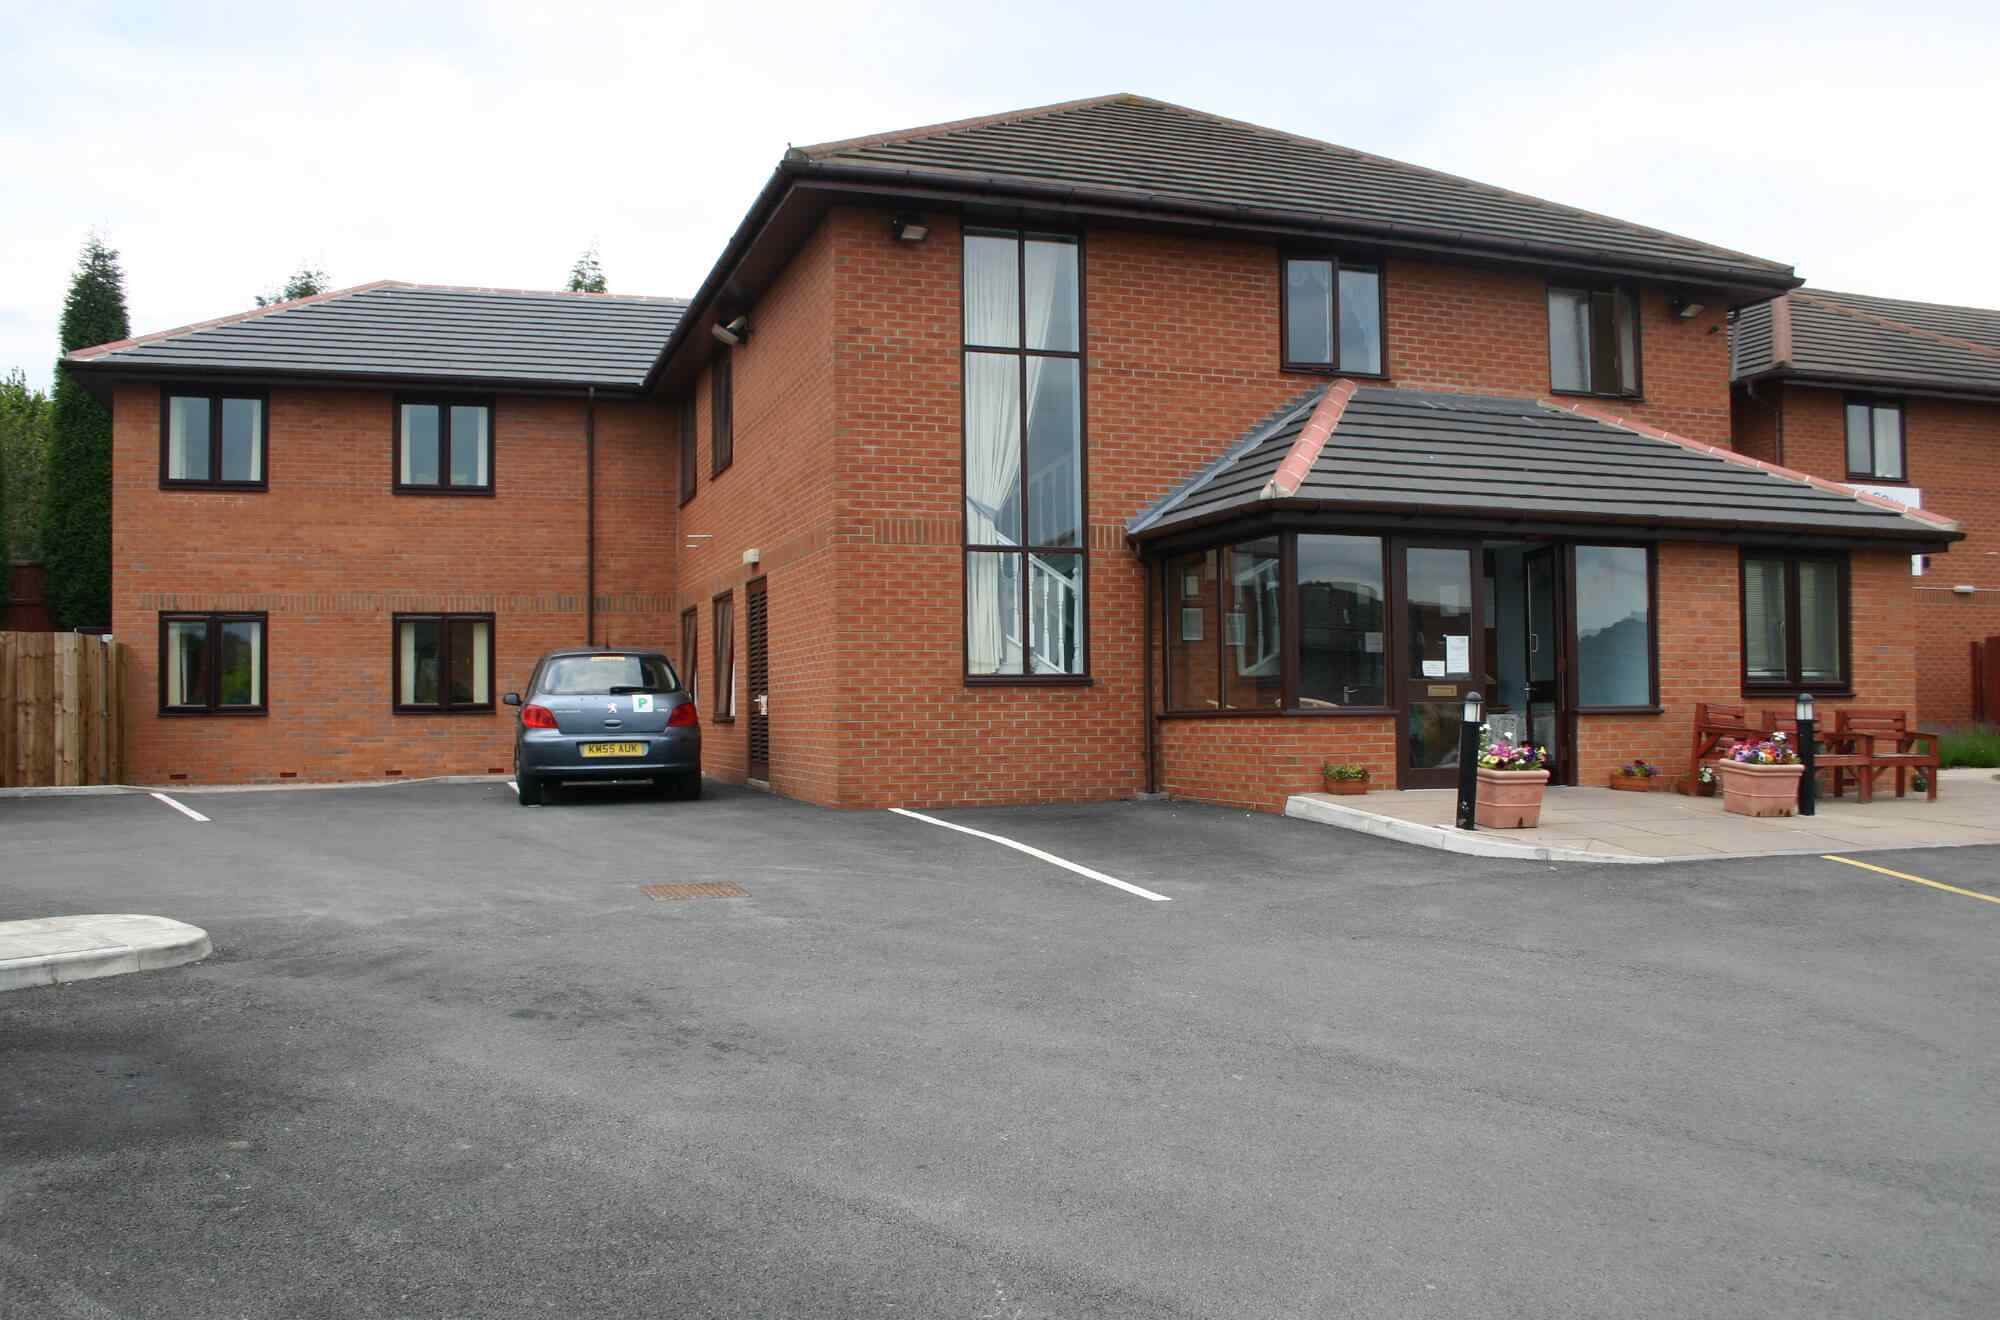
(599, 675)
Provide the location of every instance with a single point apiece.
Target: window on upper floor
(721, 413)
(1795, 622)
(685, 412)
(443, 663)
(213, 440)
(1332, 315)
(1875, 440)
(212, 664)
(1024, 457)
(1594, 341)
(444, 446)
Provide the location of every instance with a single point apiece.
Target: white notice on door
(1433, 669)
(1457, 653)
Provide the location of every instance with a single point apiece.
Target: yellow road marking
(1914, 879)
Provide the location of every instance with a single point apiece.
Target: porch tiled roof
(416, 333)
(1409, 452)
(1853, 339)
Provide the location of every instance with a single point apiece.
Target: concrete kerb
(93, 790)
(57, 950)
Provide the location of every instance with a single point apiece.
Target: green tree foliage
(24, 458)
(587, 276)
(306, 281)
(76, 510)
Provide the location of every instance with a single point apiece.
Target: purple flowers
(1775, 750)
(1503, 755)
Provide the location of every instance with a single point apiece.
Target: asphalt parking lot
(449, 1059)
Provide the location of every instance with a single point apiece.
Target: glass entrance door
(1544, 667)
(1442, 660)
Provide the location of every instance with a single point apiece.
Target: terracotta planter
(1631, 783)
(1760, 790)
(1347, 787)
(1510, 799)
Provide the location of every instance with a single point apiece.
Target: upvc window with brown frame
(723, 707)
(444, 446)
(1280, 621)
(689, 458)
(1026, 557)
(691, 651)
(1332, 313)
(214, 439)
(1797, 630)
(1875, 446)
(1614, 594)
(213, 664)
(722, 412)
(1594, 340)
(442, 664)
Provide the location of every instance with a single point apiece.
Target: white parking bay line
(1032, 851)
(187, 811)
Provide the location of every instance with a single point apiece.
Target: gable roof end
(1819, 336)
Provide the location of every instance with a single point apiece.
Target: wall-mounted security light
(910, 228)
(733, 333)
(1686, 308)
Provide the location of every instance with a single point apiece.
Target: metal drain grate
(671, 893)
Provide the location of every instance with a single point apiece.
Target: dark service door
(758, 627)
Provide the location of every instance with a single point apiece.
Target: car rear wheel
(686, 786)
(530, 789)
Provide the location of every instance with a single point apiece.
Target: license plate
(614, 749)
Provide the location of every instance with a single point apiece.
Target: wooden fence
(62, 704)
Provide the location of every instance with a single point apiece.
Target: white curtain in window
(406, 661)
(992, 507)
(1569, 340)
(1819, 621)
(184, 644)
(482, 652)
(1764, 618)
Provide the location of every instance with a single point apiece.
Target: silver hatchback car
(603, 713)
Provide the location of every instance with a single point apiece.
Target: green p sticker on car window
(642, 703)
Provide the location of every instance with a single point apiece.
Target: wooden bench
(1714, 725)
(1844, 754)
(1888, 741)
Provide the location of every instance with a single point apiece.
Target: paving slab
(54, 950)
(1601, 824)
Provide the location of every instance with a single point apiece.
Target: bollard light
(1475, 707)
(1468, 760)
(1802, 708)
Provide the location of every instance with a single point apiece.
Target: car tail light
(537, 717)
(684, 716)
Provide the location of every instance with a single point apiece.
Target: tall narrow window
(444, 446)
(1795, 623)
(685, 413)
(1594, 341)
(212, 664)
(213, 440)
(1614, 626)
(442, 663)
(1252, 635)
(1025, 542)
(691, 651)
(1874, 440)
(723, 702)
(1332, 315)
(1342, 623)
(721, 413)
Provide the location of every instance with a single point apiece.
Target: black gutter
(1928, 386)
(107, 371)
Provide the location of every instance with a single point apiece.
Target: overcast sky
(218, 146)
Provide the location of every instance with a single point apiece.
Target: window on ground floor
(442, 663)
(1795, 622)
(212, 664)
(723, 701)
(1342, 629)
(691, 651)
(1614, 627)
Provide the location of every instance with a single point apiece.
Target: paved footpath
(51, 950)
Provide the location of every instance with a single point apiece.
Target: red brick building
(1901, 398)
(1059, 455)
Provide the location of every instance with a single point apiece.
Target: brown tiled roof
(1157, 156)
(1855, 339)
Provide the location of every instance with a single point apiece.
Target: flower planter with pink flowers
(1512, 777)
(1761, 778)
